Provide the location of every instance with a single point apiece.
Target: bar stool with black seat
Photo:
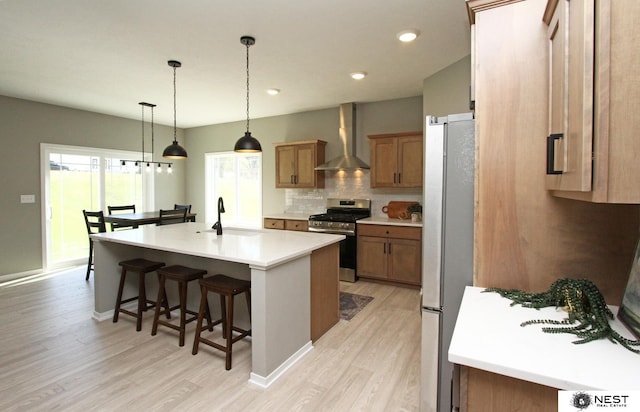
(95, 224)
(141, 267)
(183, 275)
(226, 287)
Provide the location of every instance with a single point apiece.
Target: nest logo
(597, 400)
(581, 400)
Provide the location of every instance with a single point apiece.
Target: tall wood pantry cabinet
(295, 164)
(524, 236)
(396, 160)
(594, 82)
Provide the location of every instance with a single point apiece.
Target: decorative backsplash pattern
(341, 184)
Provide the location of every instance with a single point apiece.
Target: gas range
(341, 216)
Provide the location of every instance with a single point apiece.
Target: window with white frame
(237, 178)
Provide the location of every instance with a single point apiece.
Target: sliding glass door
(79, 178)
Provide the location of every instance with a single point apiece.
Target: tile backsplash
(341, 184)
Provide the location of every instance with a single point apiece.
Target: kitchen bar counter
(278, 263)
(488, 336)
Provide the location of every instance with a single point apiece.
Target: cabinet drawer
(300, 225)
(273, 223)
(399, 232)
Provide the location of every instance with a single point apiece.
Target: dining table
(140, 218)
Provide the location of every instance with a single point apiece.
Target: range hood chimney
(348, 160)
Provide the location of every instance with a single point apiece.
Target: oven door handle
(329, 231)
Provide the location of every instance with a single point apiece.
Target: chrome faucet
(218, 225)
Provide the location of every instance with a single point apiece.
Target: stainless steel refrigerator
(447, 256)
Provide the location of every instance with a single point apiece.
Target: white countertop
(290, 216)
(261, 248)
(488, 336)
(375, 220)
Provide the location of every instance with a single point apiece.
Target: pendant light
(247, 143)
(174, 150)
(141, 161)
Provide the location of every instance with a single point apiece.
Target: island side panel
(106, 275)
(280, 317)
(325, 289)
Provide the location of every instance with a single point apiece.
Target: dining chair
(95, 224)
(171, 216)
(188, 207)
(122, 209)
(177, 206)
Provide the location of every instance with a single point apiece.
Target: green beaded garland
(584, 304)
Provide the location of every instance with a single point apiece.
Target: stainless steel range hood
(348, 160)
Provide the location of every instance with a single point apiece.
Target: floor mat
(351, 304)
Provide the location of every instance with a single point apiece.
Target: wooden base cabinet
(286, 224)
(390, 253)
(482, 391)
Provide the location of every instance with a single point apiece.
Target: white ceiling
(106, 56)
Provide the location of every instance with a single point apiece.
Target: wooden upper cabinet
(396, 160)
(571, 76)
(295, 164)
(594, 98)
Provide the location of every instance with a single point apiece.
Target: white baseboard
(264, 382)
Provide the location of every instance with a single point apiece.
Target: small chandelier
(142, 161)
(174, 150)
(247, 143)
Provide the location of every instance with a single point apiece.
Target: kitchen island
(278, 264)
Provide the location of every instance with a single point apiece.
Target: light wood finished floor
(53, 356)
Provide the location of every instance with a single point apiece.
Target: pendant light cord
(142, 108)
(152, 149)
(247, 87)
(175, 138)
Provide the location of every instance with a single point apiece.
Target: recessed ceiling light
(273, 92)
(408, 35)
(358, 75)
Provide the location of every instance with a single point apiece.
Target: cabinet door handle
(551, 153)
(384, 248)
(394, 178)
(399, 178)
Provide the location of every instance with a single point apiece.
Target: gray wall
(389, 116)
(25, 124)
(320, 124)
(447, 91)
